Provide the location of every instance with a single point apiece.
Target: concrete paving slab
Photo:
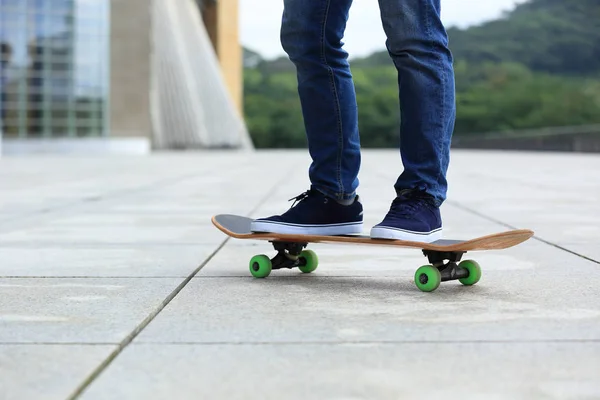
(459, 370)
(556, 195)
(531, 315)
(570, 234)
(46, 372)
(67, 179)
(591, 250)
(528, 299)
(63, 310)
(53, 234)
(118, 260)
(66, 186)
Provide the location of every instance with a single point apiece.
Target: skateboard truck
(289, 255)
(429, 277)
(444, 265)
(450, 271)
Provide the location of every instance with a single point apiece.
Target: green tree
(537, 66)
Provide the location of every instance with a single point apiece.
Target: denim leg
(311, 35)
(418, 45)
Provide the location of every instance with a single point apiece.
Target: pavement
(115, 285)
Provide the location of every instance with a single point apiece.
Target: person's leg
(311, 35)
(418, 45)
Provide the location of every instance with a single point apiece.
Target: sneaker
(412, 216)
(314, 214)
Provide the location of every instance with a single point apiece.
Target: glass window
(54, 62)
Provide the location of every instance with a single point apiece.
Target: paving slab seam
(58, 344)
(184, 276)
(93, 277)
(129, 338)
(138, 329)
(294, 277)
(96, 245)
(360, 342)
(244, 276)
(535, 237)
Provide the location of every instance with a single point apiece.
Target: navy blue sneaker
(315, 214)
(412, 216)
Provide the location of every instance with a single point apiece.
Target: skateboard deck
(443, 254)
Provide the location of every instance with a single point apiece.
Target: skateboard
(444, 255)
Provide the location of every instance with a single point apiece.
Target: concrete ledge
(581, 139)
(76, 146)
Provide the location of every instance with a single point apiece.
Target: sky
(259, 29)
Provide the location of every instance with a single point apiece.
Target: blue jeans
(311, 34)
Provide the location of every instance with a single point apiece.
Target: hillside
(555, 36)
(537, 66)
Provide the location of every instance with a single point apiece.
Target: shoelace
(299, 198)
(403, 206)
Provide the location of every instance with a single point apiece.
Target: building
(120, 75)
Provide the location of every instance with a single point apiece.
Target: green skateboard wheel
(260, 266)
(474, 272)
(428, 278)
(310, 260)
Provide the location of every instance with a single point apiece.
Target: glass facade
(55, 65)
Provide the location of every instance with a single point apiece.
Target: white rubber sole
(293, 229)
(378, 232)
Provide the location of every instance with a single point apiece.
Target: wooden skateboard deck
(427, 278)
(239, 227)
